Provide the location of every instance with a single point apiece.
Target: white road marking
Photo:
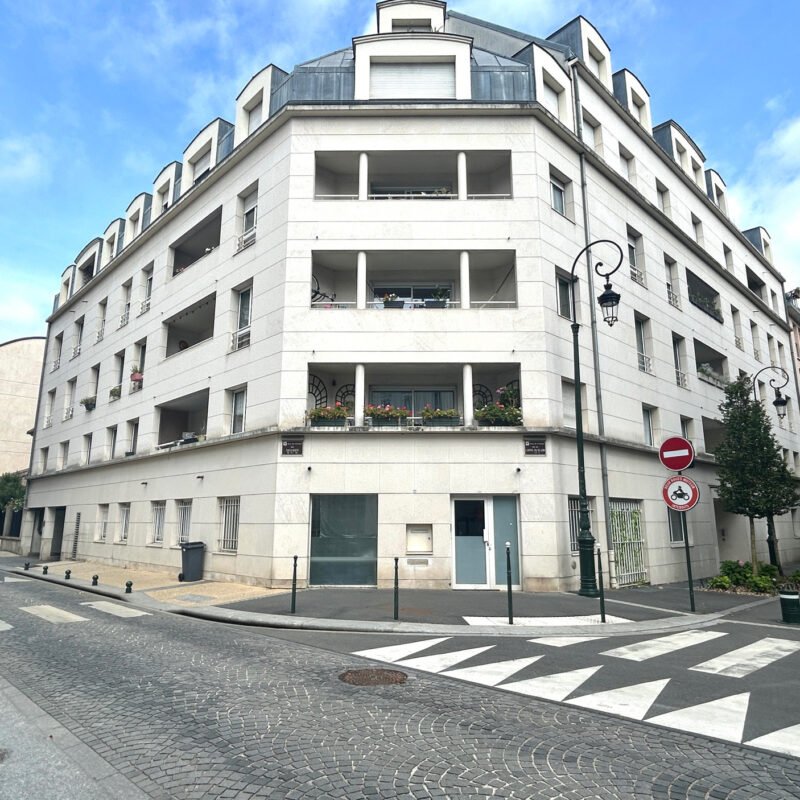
(442, 661)
(627, 701)
(116, 609)
(641, 651)
(748, 659)
(396, 652)
(552, 687)
(723, 718)
(563, 641)
(53, 614)
(786, 740)
(492, 674)
(550, 622)
(4, 626)
(8, 579)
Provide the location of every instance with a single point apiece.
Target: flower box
(394, 303)
(322, 422)
(436, 304)
(442, 422)
(387, 422)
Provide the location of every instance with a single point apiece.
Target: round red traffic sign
(676, 453)
(680, 493)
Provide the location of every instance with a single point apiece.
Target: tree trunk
(753, 555)
(772, 543)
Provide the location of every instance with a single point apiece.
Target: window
(102, 308)
(249, 203)
(736, 318)
(627, 164)
(243, 300)
(48, 409)
(662, 196)
(77, 338)
(58, 344)
(642, 325)
(69, 399)
(697, 229)
(681, 156)
(229, 524)
(254, 115)
(63, 455)
(564, 289)
(591, 133)
(102, 522)
(678, 349)
(159, 508)
(133, 437)
(687, 426)
(147, 289)
(238, 403)
(124, 521)
(756, 341)
(87, 448)
(773, 358)
(677, 526)
(727, 255)
(697, 171)
(647, 424)
(671, 274)
(201, 165)
(772, 295)
(552, 95)
(636, 255)
(111, 441)
(43, 454)
(574, 513)
(125, 314)
(413, 399)
(558, 193)
(408, 80)
(184, 508)
(639, 109)
(595, 60)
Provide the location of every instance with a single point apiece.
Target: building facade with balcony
(392, 226)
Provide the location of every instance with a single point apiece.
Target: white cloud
(23, 159)
(767, 193)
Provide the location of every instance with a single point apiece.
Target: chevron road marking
(723, 718)
(642, 651)
(748, 659)
(492, 674)
(442, 661)
(563, 641)
(9, 579)
(4, 626)
(627, 701)
(552, 687)
(396, 652)
(786, 741)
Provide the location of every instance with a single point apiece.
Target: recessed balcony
(191, 326)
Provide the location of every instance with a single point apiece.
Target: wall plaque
(292, 447)
(535, 446)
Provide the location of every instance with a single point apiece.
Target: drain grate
(373, 677)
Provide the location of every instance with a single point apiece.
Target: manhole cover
(373, 677)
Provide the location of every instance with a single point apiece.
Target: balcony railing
(415, 193)
(144, 306)
(739, 342)
(674, 299)
(136, 386)
(124, 318)
(48, 421)
(637, 275)
(497, 196)
(56, 364)
(101, 331)
(645, 364)
(76, 350)
(714, 378)
(707, 305)
(680, 378)
(69, 411)
(756, 354)
(336, 197)
(246, 239)
(240, 338)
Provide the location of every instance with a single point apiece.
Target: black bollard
(95, 578)
(67, 573)
(44, 569)
(27, 566)
(294, 584)
(508, 584)
(600, 586)
(396, 589)
(128, 586)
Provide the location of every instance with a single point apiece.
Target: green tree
(753, 478)
(12, 490)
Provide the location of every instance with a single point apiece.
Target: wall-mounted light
(200, 477)
(144, 483)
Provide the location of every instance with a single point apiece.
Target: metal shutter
(423, 81)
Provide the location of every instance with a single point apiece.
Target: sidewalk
(646, 609)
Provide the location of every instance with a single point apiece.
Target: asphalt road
(160, 706)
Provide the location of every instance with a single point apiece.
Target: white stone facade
(250, 288)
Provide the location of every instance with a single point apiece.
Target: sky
(98, 95)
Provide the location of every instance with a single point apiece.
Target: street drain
(373, 677)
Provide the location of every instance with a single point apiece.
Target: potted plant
(504, 412)
(440, 417)
(387, 416)
(115, 392)
(390, 300)
(438, 298)
(136, 375)
(89, 402)
(329, 416)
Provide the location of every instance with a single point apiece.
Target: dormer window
(412, 26)
(412, 80)
(596, 61)
(201, 165)
(254, 114)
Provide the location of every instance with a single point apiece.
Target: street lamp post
(608, 302)
(780, 403)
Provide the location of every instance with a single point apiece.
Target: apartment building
(395, 223)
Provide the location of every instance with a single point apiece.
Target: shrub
(439, 413)
(794, 577)
(738, 572)
(768, 571)
(720, 582)
(338, 411)
(761, 584)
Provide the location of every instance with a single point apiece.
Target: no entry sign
(676, 453)
(680, 493)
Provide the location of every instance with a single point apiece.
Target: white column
(363, 176)
(467, 390)
(361, 280)
(464, 268)
(359, 409)
(462, 176)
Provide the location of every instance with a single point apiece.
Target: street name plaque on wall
(292, 446)
(535, 446)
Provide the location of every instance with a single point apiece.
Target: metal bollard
(396, 588)
(67, 573)
(294, 584)
(27, 566)
(128, 586)
(95, 578)
(508, 583)
(44, 569)
(600, 587)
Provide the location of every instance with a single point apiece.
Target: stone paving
(188, 709)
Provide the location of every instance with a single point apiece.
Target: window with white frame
(697, 229)
(409, 80)
(574, 513)
(63, 455)
(627, 164)
(254, 113)
(238, 405)
(184, 509)
(87, 448)
(229, 524)
(642, 328)
(662, 196)
(201, 165)
(69, 399)
(102, 522)
(678, 349)
(564, 289)
(147, 289)
(111, 441)
(592, 133)
(48, 409)
(249, 208)
(44, 452)
(243, 301)
(159, 508)
(124, 521)
(133, 436)
(125, 313)
(552, 95)
(636, 255)
(671, 276)
(647, 424)
(687, 427)
(102, 308)
(558, 194)
(677, 526)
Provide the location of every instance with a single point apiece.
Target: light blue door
(505, 530)
(470, 542)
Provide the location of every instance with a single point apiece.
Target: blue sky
(98, 95)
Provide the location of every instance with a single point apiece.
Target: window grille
(159, 509)
(574, 509)
(184, 520)
(124, 521)
(229, 519)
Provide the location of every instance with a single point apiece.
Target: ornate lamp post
(780, 401)
(608, 302)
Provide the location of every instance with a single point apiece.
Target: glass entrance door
(471, 543)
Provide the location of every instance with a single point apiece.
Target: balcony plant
(89, 402)
(390, 300)
(136, 374)
(384, 416)
(438, 299)
(504, 412)
(115, 392)
(329, 416)
(440, 417)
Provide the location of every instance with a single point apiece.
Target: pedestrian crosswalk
(534, 675)
(60, 616)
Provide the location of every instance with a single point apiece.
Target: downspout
(587, 238)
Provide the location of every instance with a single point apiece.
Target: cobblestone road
(188, 709)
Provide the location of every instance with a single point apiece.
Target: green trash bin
(790, 606)
(192, 561)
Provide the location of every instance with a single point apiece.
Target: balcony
(48, 421)
(191, 326)
(183, 420)
(56, 364)
(246, 239)
(739, 342)
(202, 239)
(711, 365)
(76, 351)
(703, 296)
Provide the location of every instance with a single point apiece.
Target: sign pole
(688, 559)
